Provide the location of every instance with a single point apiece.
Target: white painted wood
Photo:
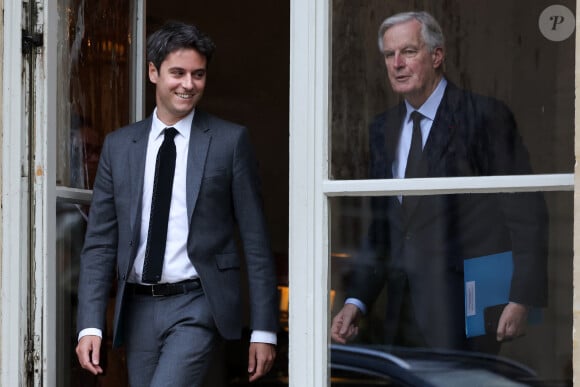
(479, 184)
(45, 220)
(14, 260)
(308, 234)
(74, 195)
(138, 56)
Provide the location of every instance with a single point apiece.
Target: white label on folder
(470, 298)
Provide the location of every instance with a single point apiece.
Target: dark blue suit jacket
(420, 252)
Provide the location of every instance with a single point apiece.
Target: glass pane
(93, 91)
(93, 87)
(71, 222)
(506, 49)
(406, 266)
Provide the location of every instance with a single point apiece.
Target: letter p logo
(557, 23)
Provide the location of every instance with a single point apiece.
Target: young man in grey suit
(417, 244)
(170, 321)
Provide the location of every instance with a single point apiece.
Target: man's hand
(345, 323)
(260, 360)
(88, 351)
(512, 322)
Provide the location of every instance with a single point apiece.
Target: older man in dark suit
(417, 244)
(168, 194)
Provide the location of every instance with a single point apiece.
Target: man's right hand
(88, 352)
(345, 323)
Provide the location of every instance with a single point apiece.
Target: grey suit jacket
(222, 191)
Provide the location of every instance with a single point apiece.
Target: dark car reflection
(363, 366)
(380, 365)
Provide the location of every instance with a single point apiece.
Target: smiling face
(179, 84)
(414, 71)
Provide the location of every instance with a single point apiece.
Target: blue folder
(487, 283)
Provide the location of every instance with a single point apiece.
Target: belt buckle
(153, 292)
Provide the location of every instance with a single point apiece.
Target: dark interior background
(248, 83)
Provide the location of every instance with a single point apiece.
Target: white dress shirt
(428, 110)
(176, 264)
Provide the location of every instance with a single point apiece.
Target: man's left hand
(512, 322)
(261, 359)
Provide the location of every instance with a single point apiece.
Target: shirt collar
(430, 106)
(182, 126)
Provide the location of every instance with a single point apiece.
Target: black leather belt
(165, 289)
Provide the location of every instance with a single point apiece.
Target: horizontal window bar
(73, 195)
(448, 185)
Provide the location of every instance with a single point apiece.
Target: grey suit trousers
(169, 340)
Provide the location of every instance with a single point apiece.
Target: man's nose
(399, 60)
(187, 82)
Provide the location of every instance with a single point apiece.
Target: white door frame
(27, 348)
(308, 229)
(310, 189)
(13, 299)
(29, 194)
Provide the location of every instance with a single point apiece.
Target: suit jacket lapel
(442, 130)
(199, 140)
(137, 155)
(393, 127)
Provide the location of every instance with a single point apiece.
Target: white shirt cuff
(358, 303)
(90, 332)
(264, 337)
(257, 336)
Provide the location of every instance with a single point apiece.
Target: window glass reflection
(409, 274)
(93, 98)
(93, 87)
(490, 49)
(71, 222)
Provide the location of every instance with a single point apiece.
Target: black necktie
(160, 203)
(416, 149)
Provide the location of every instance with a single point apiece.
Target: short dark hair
(174, 36)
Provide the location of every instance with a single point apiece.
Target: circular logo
(557, 23)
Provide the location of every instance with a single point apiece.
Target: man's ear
(153, 73)
(438, 56)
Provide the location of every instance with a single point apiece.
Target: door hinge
(31, 40)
